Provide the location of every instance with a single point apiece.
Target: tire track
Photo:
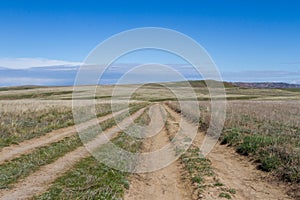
(238, 173)
(165, 183)
(40, 180)
(13, 151)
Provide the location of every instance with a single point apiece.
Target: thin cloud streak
(60, 75)
(262, 76)
(26, 63)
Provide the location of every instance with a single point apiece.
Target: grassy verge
(275, 145)
(11, 172)
(91, 179)
(199, 169)
(275, 152)
(21, 167)
(92, 132)
(33, 95)
(267, 131)
(17, 126)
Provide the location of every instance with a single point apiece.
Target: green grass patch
(232, 137)
(21, 167)
(268, 161)
(25, 87)
(275, 152)
(91, 179)
(225, 195)
(251, 144)
(12, 171)
(34, 95)
(92, 132)
(291, 89)
(197, 167)
(88, 180)
(17, 127)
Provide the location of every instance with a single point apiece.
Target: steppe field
(43, 157)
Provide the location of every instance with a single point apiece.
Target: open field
(265, 130)
(162, 92)
(43, 157)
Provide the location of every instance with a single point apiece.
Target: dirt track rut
(231, 169)
(39, 181)
(13, 151)
(236, 172)
(165, 183)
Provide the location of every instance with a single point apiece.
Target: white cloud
(24, 63)
(15, 81)
(262, 76)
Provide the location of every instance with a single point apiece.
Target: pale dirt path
(237, 172)
(197, 141)
(13, 151)
(166, 183)
(41, 180)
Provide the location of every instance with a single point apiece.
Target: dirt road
(40, 181)
(13, 151)
(166, 183)
(236, 172)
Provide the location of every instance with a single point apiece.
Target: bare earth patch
(41, 180)
(237, 172)
(13, 151)
(166, 183)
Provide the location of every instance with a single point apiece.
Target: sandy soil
(13, 151)
(235, 171)
(41, 180)
(166, 183)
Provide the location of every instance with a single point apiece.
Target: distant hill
(23, 87)
(267, 85)
(197, 84)
(193, 83)
(202, 83)
(262, 85)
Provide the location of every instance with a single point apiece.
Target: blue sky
(248, 40)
